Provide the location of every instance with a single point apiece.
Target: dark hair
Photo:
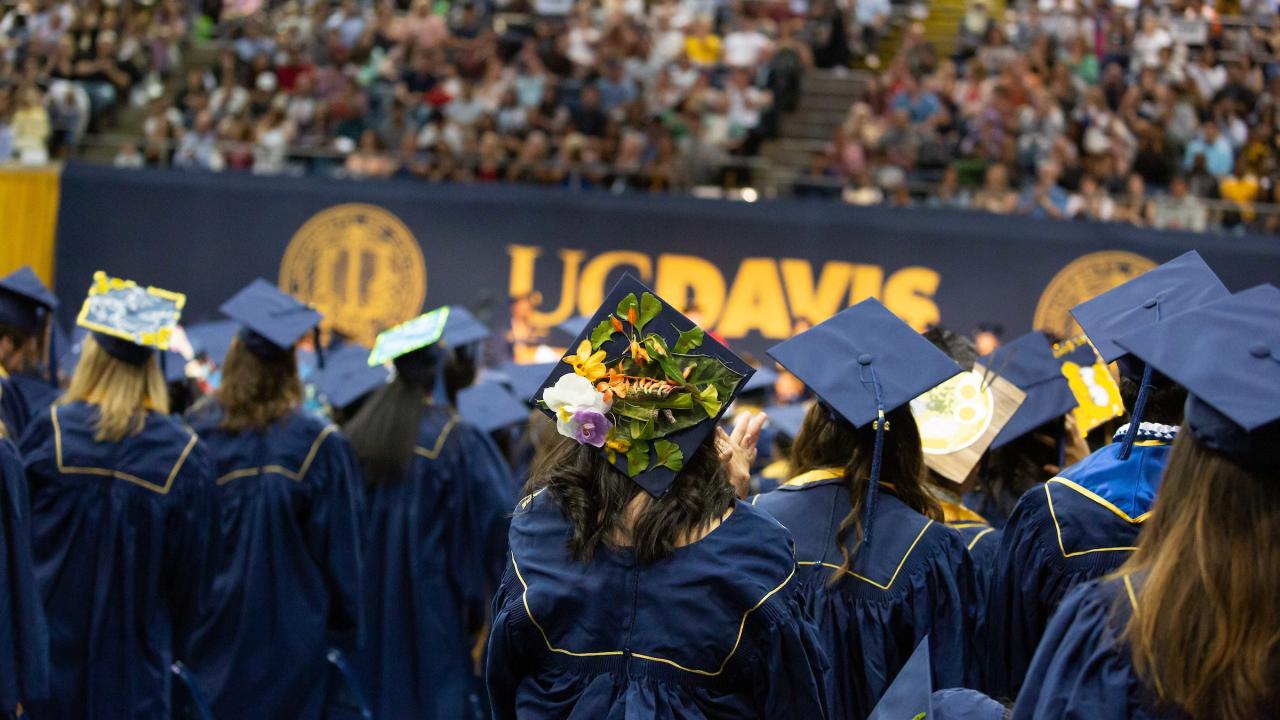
(257, 391)
(1164, 403)
(459, 372)
(596, 496)
(385, 430)
(1011, 469)
(957, 347)
(826, 440)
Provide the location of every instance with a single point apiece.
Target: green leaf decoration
(667, 454)
(658, 353)
(632, 410)
(601, 334)
(650, 306)
(628, 304)
(709, 399)
(641, 430)
(690, 340)
(638, 459)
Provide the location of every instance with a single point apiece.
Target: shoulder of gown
(24, 650)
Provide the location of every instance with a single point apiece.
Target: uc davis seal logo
(1084, 278)
(360, 266)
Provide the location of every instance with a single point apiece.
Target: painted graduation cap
(347, 376)
(1184, 283)
(1028, 362)
(213, 338)
(24, 299)
(423, 331)
(462, 328)
(273, 320)
(644, 377)
(1233, 404)
(910, 695)
(864, 362)
(127, 320)
(489, 406)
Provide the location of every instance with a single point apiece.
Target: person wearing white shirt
(743, 46)
(1150, 40)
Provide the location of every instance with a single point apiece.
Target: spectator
(1045, 198)
(1213, 148)
(1091, 203)
(589, 118)
(745, 45)
(198, 147)
(701, 44)
(615, 88)
(819, 179)
(30, 128)
(950, 195)
(370, 160)
(872, 17)
(1241, 188)
(995, 195)
(129, 157)
(1178, 210)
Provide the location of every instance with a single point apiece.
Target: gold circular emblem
(360, 266)
(953, 415)
(1084, 278)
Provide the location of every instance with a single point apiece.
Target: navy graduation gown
(1083, 669)
(980, 539)
(715, 630)
(289, 571)
(436, 546)
(915, 579)
(37, 394)
(121, 534)
(13, 407)
(24, 636)
(1078, 526)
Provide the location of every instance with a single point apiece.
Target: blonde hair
(257, 392)
(124, 393)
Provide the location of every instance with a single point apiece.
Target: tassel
(877, 454)
(1135, 419)
(315, 340)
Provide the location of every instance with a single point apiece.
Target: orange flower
(586, 363)
(617, 324)
(639, 353)
(631, 314)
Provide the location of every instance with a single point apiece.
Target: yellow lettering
(685, 280)
(523, 261)
(523, 258)
(756, 302)
(909, 294)
(815, 304)
(865, 283)
(596, 272)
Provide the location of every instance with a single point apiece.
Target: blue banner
(370, 255)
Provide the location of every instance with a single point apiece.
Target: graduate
(288, 581)
(438, 495)
(347, 381)
(638, 584)
(26, 308)
(24, 635)
(1186, 628)
(1083, 523)
(784, 424)
(123, 518)
(877, 564)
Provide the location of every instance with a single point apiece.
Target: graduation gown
(1078, 526)
(24, 636)
(289, 571)
(715, 630)
(980, 539)
(13, 407)
(36, 395)
(436, 547)
(121, 534)
(915, 579)
(1083, 669)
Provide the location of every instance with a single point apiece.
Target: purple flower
(591, 427)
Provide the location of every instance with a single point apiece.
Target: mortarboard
(644, 384)
(347, 376)
(909, 696)
(24, 299)
(964, 704)
(1177, 286)
(174, 366)
(1028, 363)
(213, 338)
(574, 326)
(525, 380)
(489, 406)
(1233, 402)
(273, 320)
(416, 334)
(786, 420)
(763, 379)
(462, 328)
(127, 320)
(959, 419)
(864, 362)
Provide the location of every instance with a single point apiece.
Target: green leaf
(634, 411)
(638, 458)
(690, 340)
(650, 306)
(709, 399)
(641, 430)
(628, 303)
(667, 454)
(601, 334)
(658, 353)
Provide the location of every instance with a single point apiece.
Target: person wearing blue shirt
(1214, 146)
(1045, 198)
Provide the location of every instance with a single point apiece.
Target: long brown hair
(828, 441)
(257, 392)
(122, 392)
(1205, 634)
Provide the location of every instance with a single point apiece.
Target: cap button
(865, 359)
(1259, 351)
(1150, 303)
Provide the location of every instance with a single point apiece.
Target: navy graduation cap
(763, 379)
(213, 338)
(786, 420)
(864, 362)
(965, 704)
(574, 326)
(462, 328)
(1233, 404)
(909, 696)
(347, 376)
(129, 321)
(1028, 362)
(643, 384)
(174, 366)
(273, 321)
(489, 406)
(24, 300)
(1181, 284)
(525, 380)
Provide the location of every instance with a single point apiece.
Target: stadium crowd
(1151, 114)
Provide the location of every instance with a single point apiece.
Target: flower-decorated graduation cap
(862, 363)
(127, 320)
(272, 320)
(1028, 362)
(420, 332)
(347, 377)
(1233, 403)
(643, 384)
(489, 406)
(462, 328)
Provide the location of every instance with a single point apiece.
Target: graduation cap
(764, 379)
(1233, 402)
(959, 419)
(174, 366)
(489, 406)
(25, 302)
(347, 376)
(910, 695)
(462, 328)
(1182, 284)
(525, 380)
(864, 362)
(1028, 362)
(574, 326)
(127, 320)
(416, 334)
(273, 321)
(786, 420)
(643, 383)
(964, 704)
(213, 338)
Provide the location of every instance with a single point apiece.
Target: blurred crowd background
(1157, 114)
